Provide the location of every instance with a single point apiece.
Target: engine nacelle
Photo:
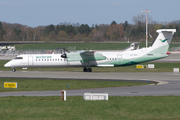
(64, 56)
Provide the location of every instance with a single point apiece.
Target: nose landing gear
(13, 69)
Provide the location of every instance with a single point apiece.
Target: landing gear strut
(13, 69)
(87, 69)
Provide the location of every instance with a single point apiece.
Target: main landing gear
(13, 69)
(87, 69)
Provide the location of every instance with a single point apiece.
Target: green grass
(52, 84)
(2, 62)
(159, 67)
(79, 46)
(75, 108)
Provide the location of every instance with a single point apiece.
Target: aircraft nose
(8, 64)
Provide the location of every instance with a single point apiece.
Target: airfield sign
(10, 84)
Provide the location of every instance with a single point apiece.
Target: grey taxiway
(168, 83)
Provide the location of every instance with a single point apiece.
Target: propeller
(65, 55)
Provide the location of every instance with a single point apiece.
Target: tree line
(83, 32)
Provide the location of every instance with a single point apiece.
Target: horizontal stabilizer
(166, 30)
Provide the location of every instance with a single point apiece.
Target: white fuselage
(55, 60)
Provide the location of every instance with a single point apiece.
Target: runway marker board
(139, 66)
(10, 84)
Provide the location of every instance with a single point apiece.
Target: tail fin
(163, 40)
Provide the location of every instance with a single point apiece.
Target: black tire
(85, 69)
(89, 70)
(14, 70)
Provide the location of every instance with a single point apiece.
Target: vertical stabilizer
(163, 40)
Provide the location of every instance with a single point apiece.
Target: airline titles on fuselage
(48, 58)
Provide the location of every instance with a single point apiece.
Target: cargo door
(30, 60)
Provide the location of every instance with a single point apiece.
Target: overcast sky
(45, 12)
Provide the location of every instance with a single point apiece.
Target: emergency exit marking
(10, 84)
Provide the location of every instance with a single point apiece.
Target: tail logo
(163, 40)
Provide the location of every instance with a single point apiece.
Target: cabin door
(30, 60)
(119, 59)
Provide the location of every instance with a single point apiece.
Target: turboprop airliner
(87, 59)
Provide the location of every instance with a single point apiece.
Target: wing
(85, 56)
(88, 53)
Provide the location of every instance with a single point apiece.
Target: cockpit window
(18, 58)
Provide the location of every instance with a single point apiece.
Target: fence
(18, 52)
(175, 49)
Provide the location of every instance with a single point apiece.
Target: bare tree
(140, 19)
(96, 35)
(115, 31)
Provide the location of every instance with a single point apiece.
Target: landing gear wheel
(14, 70)
(89, 70)
(85, 69)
